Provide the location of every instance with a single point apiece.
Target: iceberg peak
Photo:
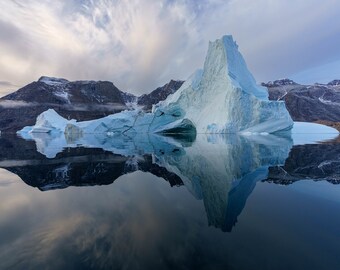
(224, 54)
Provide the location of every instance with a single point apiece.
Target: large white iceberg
(224, 97)
(221, 98)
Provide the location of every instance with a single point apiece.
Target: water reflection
(314, 161)
(165, 193)
(220, 170)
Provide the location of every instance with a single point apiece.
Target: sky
(142, 44)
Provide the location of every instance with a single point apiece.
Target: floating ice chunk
(49, 121)
(309, 133)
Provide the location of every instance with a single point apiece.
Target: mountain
(308, 103)
(81, 100)
(63, 92)
(159, 94)
(128, 98)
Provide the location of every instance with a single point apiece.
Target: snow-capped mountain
(334, 83)
(309, 103)
(62, 91)
(81, 100)
(280, 82)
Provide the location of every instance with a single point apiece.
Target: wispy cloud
(6, 84)
(74, 107)
(15, 104)
(140, 45)
(6, 87)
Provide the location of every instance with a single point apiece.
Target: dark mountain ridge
(80, 100)
(308, 103)
(161, 93)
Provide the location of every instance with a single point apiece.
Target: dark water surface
(209, 202)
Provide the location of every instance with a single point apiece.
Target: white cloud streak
(141, 44)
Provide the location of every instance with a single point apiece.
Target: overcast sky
(140, 45)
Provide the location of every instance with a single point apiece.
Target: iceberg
(220, 98)
(224, 97)
(48, 121)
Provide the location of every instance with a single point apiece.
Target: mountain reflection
(220, 170)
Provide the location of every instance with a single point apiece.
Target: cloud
(140, 45)
(6, 84)
(9, 104)
(102, 108)
(15, 104)
(7, 87)
(320, 74)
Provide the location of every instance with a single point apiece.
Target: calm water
(152, 202)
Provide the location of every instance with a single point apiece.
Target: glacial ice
(220, 98)
(224, 97)
(48, 121)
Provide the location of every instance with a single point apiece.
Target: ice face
(221, 98)
(49, 121)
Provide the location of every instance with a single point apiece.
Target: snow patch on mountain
(64, 95)
(280, 82)
(52, 80)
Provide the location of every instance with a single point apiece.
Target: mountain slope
(159, 94)
(82, 100)
(309, 103)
